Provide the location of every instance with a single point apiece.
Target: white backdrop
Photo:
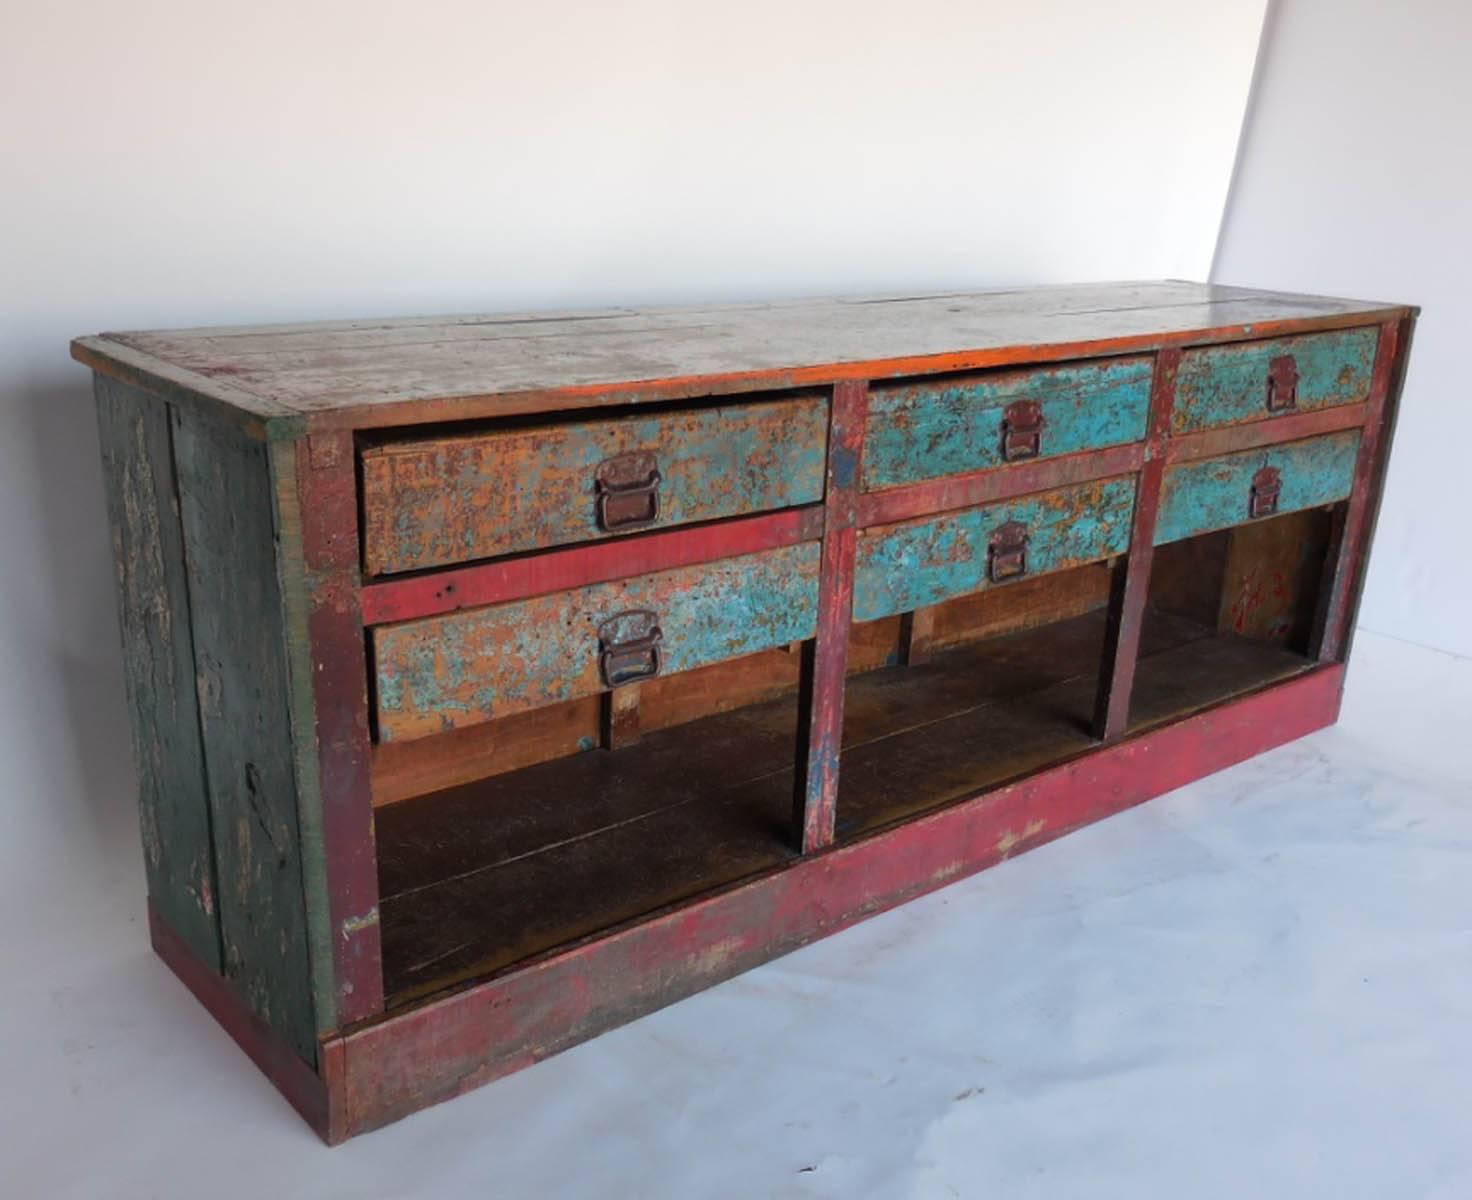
(178, 162)
(1356, 179)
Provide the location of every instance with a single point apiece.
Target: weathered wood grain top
(381, 372)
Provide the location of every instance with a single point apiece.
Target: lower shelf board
(477, 878)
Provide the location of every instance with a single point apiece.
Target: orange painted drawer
(434, 501)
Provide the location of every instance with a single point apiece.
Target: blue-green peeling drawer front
(918, 563)
(1217, 493)
(1228, 385)
(931, 428)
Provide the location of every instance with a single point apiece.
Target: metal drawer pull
(1266, 485)
(628, 491)
(1006, 552)
(1282, 383)
(628, 647)
(1022, 430)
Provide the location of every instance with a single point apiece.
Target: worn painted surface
(1335, 622)
(825, 659)
(158, 663)
(945, 427)
(1129, 587)
(227, 509)
(355, 374)
(1215, 494)
(468, 1038)
(431, 502)
(450, 671)
(1226, 385)
(908, 566)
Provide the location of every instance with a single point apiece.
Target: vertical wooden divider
(1347, 548)
(1130, 586)
(825, 657)
(327, 485)
(917, 629)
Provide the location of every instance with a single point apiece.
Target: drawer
(1251, 381)
(1219, 492)
(944, 427)
(434, 501)
(466, 667)
(918, 563)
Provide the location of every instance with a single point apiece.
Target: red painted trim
(556, 570)
(448, 1046)
(474, 407)
(825, 658)
(1210, 443)
(995, 483)
(327, 487)
(1353, 542)
(1131, 585)
(265, 1047)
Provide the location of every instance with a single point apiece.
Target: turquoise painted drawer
(944, 427)
(1251, 381)
(465, 667)
(918, 563)
(1220, 492)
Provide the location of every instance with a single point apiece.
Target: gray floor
(1256, 986)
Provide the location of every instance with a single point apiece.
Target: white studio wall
(173, 162)
(1353, 179)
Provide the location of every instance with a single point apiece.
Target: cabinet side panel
(158, 662)
(226, 504)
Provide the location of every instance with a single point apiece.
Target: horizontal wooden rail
(996, 483)
(1210, 443)
(537, 574)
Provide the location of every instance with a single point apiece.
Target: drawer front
(923, 430)
(1220, 492)
(435, 501)
(1230, 385)
(918, 563)
(466, 667)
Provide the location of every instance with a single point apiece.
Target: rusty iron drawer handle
(628, 491)
(1283, 384)
(1266, 485)
(1006, 552)
(1022, 430)
(629, 647)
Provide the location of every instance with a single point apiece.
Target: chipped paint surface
(1226, 385)
(926, 429)
(918, 563)
(1215, 494)
(158, 662)
(435, 501)
(466, 667)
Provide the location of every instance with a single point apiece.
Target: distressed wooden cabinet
(498, 679)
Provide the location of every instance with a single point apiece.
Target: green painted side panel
(226, 502)
(1215, 494)
(158, 662)
(918, 563)
(927, 429)
(435, 501)
(450, 671)
(1227, 385)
